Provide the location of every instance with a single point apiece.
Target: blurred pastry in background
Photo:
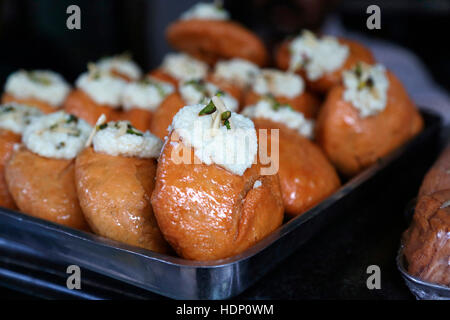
(211, 200)
(180, 67)
(41, 174)
(121, 66)
(98, 92)
(438, 177)
(365, 118)
(206, 32)
(140, 99)
(235, 76)
(321, 60)
(13, 119)
(306, 175)
(191, 92)
(115, 179)
(286, 88)
(43, 89)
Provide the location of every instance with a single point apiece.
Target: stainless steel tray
(184, 279)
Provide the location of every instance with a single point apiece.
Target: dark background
(33, 33)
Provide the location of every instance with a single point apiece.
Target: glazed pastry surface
(45, 188)
(32, 102)
(206, 212)
(212, 40)
(353, 143)
(306, 175)
(438, 177)
(7, 141)
(162, 118)
(114, 193)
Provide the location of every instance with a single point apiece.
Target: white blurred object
(406, 66)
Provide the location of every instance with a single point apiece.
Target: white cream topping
(146, 94)
(317, 56)
(200, 92)
(121, 139)
(184, 67)
(56, 135)
(233, 149)
(366, 88)
(121, 64)
(43, 85)
(15, 117)
(239, 71)
(206, 11)
(102, 87)
(278, 83)
(283, 114)
(257, 184)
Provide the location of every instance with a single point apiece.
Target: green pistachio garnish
(220, 93)
(226, 123)
(225, 115)
(358, 70)
(199, 85)
(71, 119)
(7, 109)
(53, 126)
(39, 78)
(208, 109)
(102, 126)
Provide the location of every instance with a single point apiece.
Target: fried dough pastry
(206, 212)
(7, 141)
(306, 175)
(162, 118)
(81, 105)
(45, 188)
(426, 242)
(357, 53)
(352, 142)
(32, 102)
(213, 40)
(438, 177)
(114, 193)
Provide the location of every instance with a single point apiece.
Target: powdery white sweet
(121, 64)
(232, 149)
(367, 99)
(284, 114)
(56, 135)
(184, 67)
(205, 11)
(43, 85)
(102, 87)
(15, 117)
(278, 83)
(239, 71)
(146, 94)
(317, 56)
(197, 92)
(121, 139)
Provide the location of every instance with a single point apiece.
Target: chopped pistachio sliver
(226, 123)
(35, 77)
(131, 130)
(225, 115)
(72, 118)
(60, 145)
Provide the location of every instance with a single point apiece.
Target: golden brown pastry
(207, 207)
(286, 88)
(426, 242)
(13, 119)
(306, 175)
(41, 176)
(42, 89)
(365, 118)
(141, 99)
(115, 179)
(98, 92)
(321, 74)
(213, 37)
(438, 178)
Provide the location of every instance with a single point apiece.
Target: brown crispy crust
(438, 178)
(212, 40)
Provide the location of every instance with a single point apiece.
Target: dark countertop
(332, 265)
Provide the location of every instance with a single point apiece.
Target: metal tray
(184, 279)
